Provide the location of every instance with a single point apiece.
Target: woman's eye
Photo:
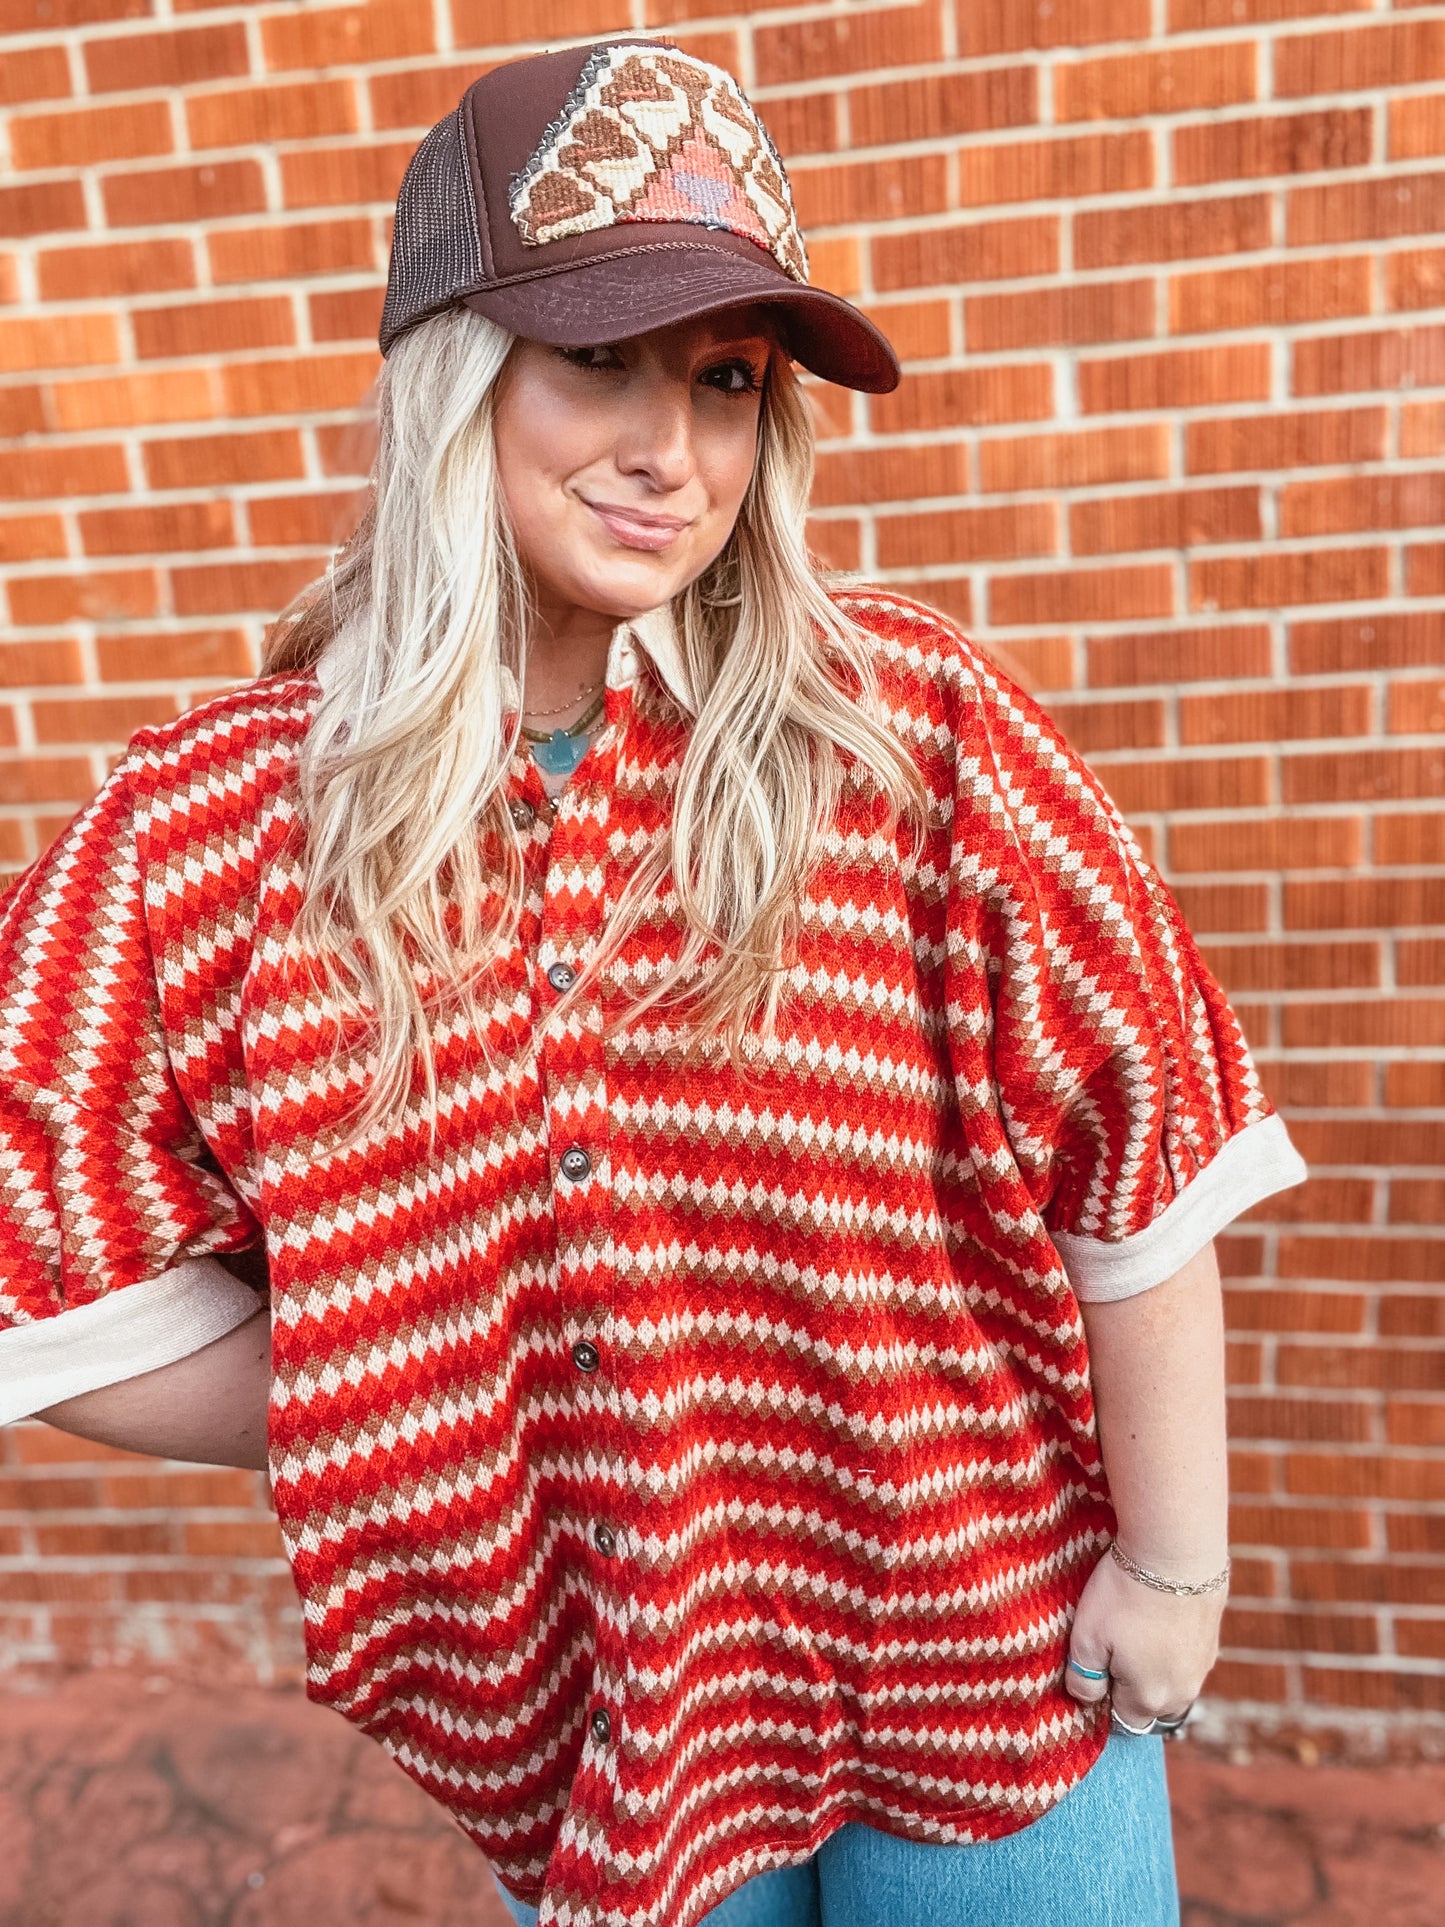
(733, 378)
(593, 358)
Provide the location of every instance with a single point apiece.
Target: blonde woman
(733, 1124)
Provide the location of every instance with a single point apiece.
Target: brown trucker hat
(590, 195)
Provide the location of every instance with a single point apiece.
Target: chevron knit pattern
(674, 1464)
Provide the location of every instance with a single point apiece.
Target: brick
(207, 192)
(99, 719)
(22, 410)
(1078, 311)
(891, 474)
(1179, 378)
(1410, 839)
(1278, 293)
(1406, 1315)
(1323, 1528)
(919, 330)
(1307, 1420)
(1376, 1260)
(1343, 1085)
(238, 116)
(1182, 518)
(882, 37)
(1035, 662)
(106, 595)
(1391, 358)
(1365, 210)
(1425, 569)
(1186, 16)
(418, 97)
(232, 1539)
(1420, 960)
(1272, 144)
(1415, 278)
(32, 474)
(491, 23)
(1295, 966)
(343, 176)
(1178, 655)
(1386, 641)
(1184, 783)
(347, 36)
(1017, 391)
(46, 207)
(1047, 170)
(966, 535)
(298, 386)
(1081, 595)
(178, 57)
(836, 263)
(1170, 230)
(1127, 86)
(1395, 1691)
(170, 1490)
(125, 400)
(198, 461)
(1375, 1367)
(1272, 715)
(58, 341)
(289, 252)
(981, 251)
(1077, 459)
(1008, 26)
(158, 656)
(1417, 127)
(1348, 1581)
(1420, 1638)
(291, 521)
(127, 267)
(102, 1539)
(1269, 843)
(213, 327)
(1407, 1532)
(936, 106)
(952, 595)
(239, 587)
(1279, 441)
(1279, 578)
(1415, 1086)
(28, 538)
(1296, 1632)
(1363, 775)
(1353, 59)
(157, 527)
(804, 124)
(1417, 707)
(33, 73)
(836, 542)
(81, 136)
(1385, 903)
(838, 192)
(40, 661)
(1363, 502)
(1092, 725)
(46, 779)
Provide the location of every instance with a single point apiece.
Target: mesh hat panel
(436, 253)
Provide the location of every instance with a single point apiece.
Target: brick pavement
(128, 1801)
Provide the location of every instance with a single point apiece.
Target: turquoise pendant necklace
(561, 752)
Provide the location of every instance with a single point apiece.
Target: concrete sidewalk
(132, 1802)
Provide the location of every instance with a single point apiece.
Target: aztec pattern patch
(649, 136)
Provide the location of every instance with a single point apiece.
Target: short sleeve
(112, 1205)
(1125, 1083)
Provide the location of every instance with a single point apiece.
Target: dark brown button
(576, 1164)
(601, 1726)
(605, 1539)
(585, 1355)
(523, 814)
(561, 976)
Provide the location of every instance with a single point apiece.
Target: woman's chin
(629, 589)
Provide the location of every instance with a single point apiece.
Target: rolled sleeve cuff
(1251, 1166)
(127, 1332)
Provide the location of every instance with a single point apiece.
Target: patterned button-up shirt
(674, 1461)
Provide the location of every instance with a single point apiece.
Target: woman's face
(623, 467)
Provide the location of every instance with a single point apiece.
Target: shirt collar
(652, 637)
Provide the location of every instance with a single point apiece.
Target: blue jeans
(1103, 1857)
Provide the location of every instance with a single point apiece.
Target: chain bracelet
(1175, 1586)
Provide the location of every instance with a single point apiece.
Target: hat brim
(614, 296)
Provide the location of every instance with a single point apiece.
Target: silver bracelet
(1176, 1586)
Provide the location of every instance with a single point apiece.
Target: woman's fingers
(1086, 1675)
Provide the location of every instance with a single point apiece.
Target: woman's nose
(659, 439)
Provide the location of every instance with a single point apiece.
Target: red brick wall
(1165, 276)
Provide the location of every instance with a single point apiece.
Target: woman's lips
(633, 529)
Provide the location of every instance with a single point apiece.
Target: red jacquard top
(673, 1464)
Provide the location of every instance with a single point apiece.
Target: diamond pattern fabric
(658, 136)
(674, 1462)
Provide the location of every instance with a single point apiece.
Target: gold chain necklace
(591, 687)
(593, 711)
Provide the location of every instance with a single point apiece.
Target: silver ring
(1172, 1727)
(1136, 1732)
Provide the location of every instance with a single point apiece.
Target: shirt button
(585, 1355)
(576, 1164)
(601, 1726)
(561, 976)
(523, 814)
(606, 1540)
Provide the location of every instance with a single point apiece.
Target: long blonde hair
(403, 773)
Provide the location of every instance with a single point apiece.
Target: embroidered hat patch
(655, 135)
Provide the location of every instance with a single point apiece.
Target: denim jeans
(1103, 1857)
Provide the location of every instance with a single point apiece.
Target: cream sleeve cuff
(1253, 1165)
(133, 1330)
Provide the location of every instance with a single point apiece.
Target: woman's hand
(1155, 1647)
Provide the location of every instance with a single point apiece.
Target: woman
(733, 1123)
